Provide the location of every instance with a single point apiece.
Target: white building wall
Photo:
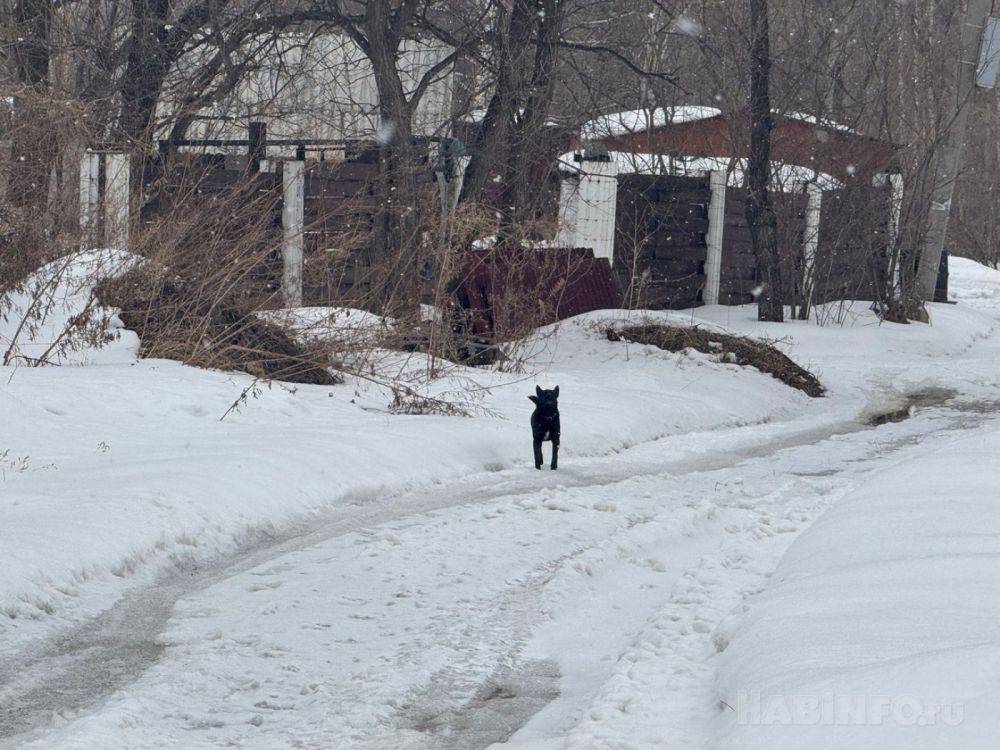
(587, 204)
(322, 87)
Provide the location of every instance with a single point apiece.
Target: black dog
(545, 423)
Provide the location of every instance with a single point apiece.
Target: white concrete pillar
(896, 189)
(117, 216)
(714, 238)
(292, 223)
(461, 164)
(810, 245)
(90, 197)
(569, 191)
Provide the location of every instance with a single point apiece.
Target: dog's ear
(538, 390)
(534, 398)
(556, 391)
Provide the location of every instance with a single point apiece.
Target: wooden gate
(660, 246)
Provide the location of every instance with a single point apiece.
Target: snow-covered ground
(313, 571)
(879, 627)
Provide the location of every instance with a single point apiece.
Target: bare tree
(761, 218)
(949, 160)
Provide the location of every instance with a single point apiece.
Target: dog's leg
(555, 455)
(538, 454)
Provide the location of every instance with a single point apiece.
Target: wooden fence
(327, 222)
(664, 243)
(338, 214)
(660, 240)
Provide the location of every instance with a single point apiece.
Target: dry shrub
(163, 311)
(210, 247)
(736, 349)
(23, 246)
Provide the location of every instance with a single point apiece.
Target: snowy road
(172, 581)
(516, 607)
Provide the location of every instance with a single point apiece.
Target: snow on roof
(478, 115)
(786, 176)
(813, 120)
(639, 120)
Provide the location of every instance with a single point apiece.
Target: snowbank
(36, 319)
(108, 474)
(973, 284)
(329, 324)
(879, 627)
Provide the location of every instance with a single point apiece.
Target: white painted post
(596, 207)
(569, 192)
(116, 200)
(895, 213)
(90, 175)
(292, 223)
(716, 229)
(461, 164)
(810, 246)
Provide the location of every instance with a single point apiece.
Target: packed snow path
(496, 608)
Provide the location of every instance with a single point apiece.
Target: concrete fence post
(292, 223)
(896, 188)
(715, 236)
(569, 191)
(810, 245)
(117, 216)
(90, 197)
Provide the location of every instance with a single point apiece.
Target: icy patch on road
(501, 706)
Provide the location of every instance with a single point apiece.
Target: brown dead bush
(736, 349)
(222, 334)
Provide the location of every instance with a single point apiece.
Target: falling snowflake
(686, 26)
(385, 132)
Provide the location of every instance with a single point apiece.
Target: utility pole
(950, 153)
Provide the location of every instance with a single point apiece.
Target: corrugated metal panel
(512, 290)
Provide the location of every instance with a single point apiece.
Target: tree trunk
(761, 218)
(146, 67)
(949, 160)
(397, 235)
(523, 179)
(33, 144)
(493, 131)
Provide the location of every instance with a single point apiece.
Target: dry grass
(736, 349)
(218, 333)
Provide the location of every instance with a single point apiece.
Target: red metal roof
(834, 150)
